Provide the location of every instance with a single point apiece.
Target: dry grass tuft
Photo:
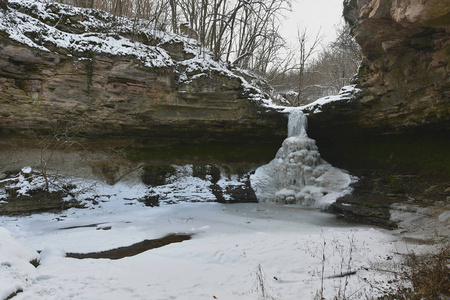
(425, 276)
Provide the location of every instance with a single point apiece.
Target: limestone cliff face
(120, 96)
(395, 134)
(153, 87)
(402, 115)
(405, 70)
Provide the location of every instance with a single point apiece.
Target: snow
(232, 245)
(105, 43)
(346, 93)
(422, 223)
(236, 250)
(181, 186)
(31, 23)
(34, 23)
(229, 242)
(15, 266)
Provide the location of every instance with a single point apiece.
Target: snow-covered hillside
(53, 27)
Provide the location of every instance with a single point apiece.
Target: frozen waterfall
(297, 174)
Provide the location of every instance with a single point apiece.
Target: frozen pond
(237, 251)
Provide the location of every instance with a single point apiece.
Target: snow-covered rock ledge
(68, 65)
(346, 94)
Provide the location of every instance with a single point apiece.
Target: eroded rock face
(419, 13)
(394, 134)
(405, 70)
(402, 116)
(118, 96)
(158, 103)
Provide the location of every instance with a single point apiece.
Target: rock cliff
(124, 81)
(405, 69)
(84, 94)
(402, 116)
(394, 134)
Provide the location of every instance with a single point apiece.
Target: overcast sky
(315, 15)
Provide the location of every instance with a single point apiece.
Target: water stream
(297, 174)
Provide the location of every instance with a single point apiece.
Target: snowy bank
(16, 270)
(345, 94)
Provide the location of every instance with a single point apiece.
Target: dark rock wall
(402, 116)
(395, 134)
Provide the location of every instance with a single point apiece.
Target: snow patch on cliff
(345, 94)
(49, 26)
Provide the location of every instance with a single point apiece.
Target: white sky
(315, 15)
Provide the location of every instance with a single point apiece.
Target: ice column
(297, 174)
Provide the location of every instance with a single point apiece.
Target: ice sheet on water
(229, 242)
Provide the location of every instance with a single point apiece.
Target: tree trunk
(4, 4)
(173, 8)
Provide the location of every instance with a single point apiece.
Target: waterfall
(297, 123)
(297, 174)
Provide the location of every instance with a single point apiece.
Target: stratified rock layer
(118, 96)
(395, 134)
(176, 107)
(402, 116)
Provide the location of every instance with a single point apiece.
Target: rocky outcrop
(393, 134)
(150, 93)
(405, 68)
(402, 115)
(3, 4)
(119, 96)
(83, 95)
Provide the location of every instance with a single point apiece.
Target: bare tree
(307, 48)
(233, 29)
(173, 10)
(338, 62)
(60, 138)
(347, 46)
(317, 71)
(243, 31)
(84, 3)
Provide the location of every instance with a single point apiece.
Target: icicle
(297, 123)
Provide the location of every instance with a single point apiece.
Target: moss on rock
(155, 175)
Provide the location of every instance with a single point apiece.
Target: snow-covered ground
(230, 245)
(345, 94)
